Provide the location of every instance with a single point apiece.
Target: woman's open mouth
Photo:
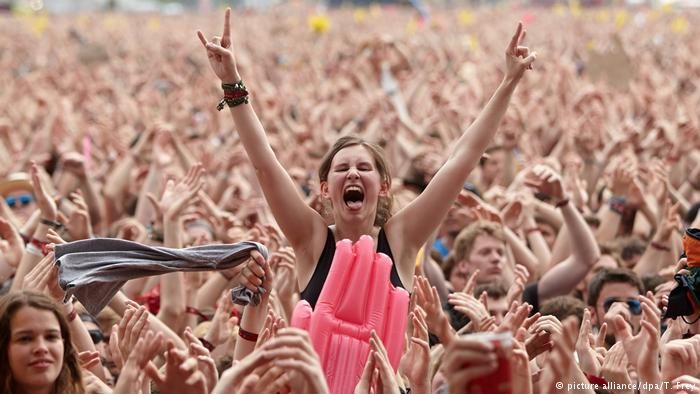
(353, 197)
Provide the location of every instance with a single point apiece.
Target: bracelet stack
(618, 204)
(234, 95)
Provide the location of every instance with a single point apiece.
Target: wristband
(618, 205)
(234, 95)
(210, 346)
(41, 246)
(72, 314)
(194, 311)
(532, 230)
(53, 224)
(562, 203)
(659, 246)
(154, 234)
(32, 249)
(247, 335)
(596, 379)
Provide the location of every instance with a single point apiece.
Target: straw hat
(16, 181)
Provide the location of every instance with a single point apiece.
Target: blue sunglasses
(634, 304)
(21, 200)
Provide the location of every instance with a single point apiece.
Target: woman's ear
(324, 190)
(384, 189)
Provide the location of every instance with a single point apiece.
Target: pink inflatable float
(357, 298)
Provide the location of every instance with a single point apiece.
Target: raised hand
(515, 318)
(43, 278)
(680, 357)
(88, 359)
(182, 374)
(585, 350)
(428, 299)
(80, 226)
(205, 362)
(222, 324)
(177, 196)
(468, 358)
(272, 325)
(515, 292)
(614, 368)
(469, 306)
(220, 53)
(386, 378)
(46, 204)
(133, 325)
(285, 272)
(518, 57)
(560, 365)
(670, 223)
(685, 384)
(11, 244)
(139, 361)
(291, 351)
(74, 163)
(546, 181)
(643, 347)
(244, 375)
(520, 363)
(416, 360)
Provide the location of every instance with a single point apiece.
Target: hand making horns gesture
(220, 53)
(518, 57)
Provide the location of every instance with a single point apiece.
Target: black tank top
(313, 289)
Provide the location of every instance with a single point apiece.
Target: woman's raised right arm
(296, 219)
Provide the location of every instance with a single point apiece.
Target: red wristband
(72, 314)
(43, 246)
(659, 246)
(247, 335)
(210, 346)
(596, 379)
(562, 203)
(194, 311)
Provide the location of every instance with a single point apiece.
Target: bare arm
(174, 200)
(585, 253)
(538, 245)
(119, 304)
(521, 253)
(296, 219)
(661, 248)
(144, 210)
(47, 207)
(420, 218)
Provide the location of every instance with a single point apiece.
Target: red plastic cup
(500, 380)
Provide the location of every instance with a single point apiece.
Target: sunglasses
(21, 200)
(634, 304)
(96, 336)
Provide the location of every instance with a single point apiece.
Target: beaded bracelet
(234, 95)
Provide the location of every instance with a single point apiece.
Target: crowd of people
(537, 181)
